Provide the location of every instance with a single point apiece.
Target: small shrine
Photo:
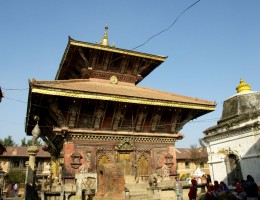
(94, 114)
(233, 143)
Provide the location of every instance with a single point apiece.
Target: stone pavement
(12, 198)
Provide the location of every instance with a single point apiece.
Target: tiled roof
(184, 153)
(22, 152)
(95, 87)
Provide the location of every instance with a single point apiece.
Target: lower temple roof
(91, 89)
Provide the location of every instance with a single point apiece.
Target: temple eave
(125, 99)
(117, 50)
(60, 131)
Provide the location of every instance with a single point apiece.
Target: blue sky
(212, 46)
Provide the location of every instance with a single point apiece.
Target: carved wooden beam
(186, 118)
(99, 115)
(73, 113)
(124, 64)
(175, 120)
(155, 119)
(56, 113)
(106, 60)
(51, 148)
(118, 116)
(145, 66)
(136, 65)
(141, 117)
(93, 58)
(83, 57)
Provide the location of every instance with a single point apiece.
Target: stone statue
(36, 131)
(153, 180)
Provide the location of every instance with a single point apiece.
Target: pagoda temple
(95, 113)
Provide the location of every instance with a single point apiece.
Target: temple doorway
(125, 159)
(233, 168)
(143, 166)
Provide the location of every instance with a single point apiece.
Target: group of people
(244, 190)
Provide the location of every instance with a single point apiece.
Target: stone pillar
(32, 151)
(54, 166)
(30, 175)
(79, 178)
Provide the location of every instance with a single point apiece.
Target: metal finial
(243, 87)
(104, 40)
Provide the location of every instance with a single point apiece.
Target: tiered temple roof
(96, 90)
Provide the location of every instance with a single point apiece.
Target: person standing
(15, 187)
(178, 189)
(193, 190)
(251, 188)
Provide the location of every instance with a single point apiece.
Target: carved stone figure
(36, 131)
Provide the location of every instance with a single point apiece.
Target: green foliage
(23, 142)
(8, 141)
(197, 155)
(15, 176)
(27, 143)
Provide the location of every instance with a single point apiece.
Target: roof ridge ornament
(104, 40)
(243, 87)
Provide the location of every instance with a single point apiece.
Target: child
(193, 190)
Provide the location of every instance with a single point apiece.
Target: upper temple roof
(83, 60)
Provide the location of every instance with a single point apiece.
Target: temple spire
(243, 87)
(104, 40)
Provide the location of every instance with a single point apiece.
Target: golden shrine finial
(243, 87)
(104, 40)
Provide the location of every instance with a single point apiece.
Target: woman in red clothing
(193, 190)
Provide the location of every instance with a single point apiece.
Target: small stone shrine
(94, 113)
(233, 144)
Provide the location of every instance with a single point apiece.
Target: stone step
(139, 197)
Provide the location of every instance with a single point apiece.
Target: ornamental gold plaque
(113, 79)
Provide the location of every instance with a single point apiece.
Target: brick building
(15, 157)
(187, 164)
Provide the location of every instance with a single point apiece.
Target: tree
(15, 176)
(23, 142)
(8, 141)
(198, 155)
(27, 143)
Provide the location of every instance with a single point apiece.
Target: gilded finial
(104, 40)
(243, 87)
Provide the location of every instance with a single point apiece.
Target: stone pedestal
(86, 182)
(111, 182)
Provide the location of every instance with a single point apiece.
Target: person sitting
(238, 190)
(223, 186)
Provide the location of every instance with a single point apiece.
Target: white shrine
(233, 144)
